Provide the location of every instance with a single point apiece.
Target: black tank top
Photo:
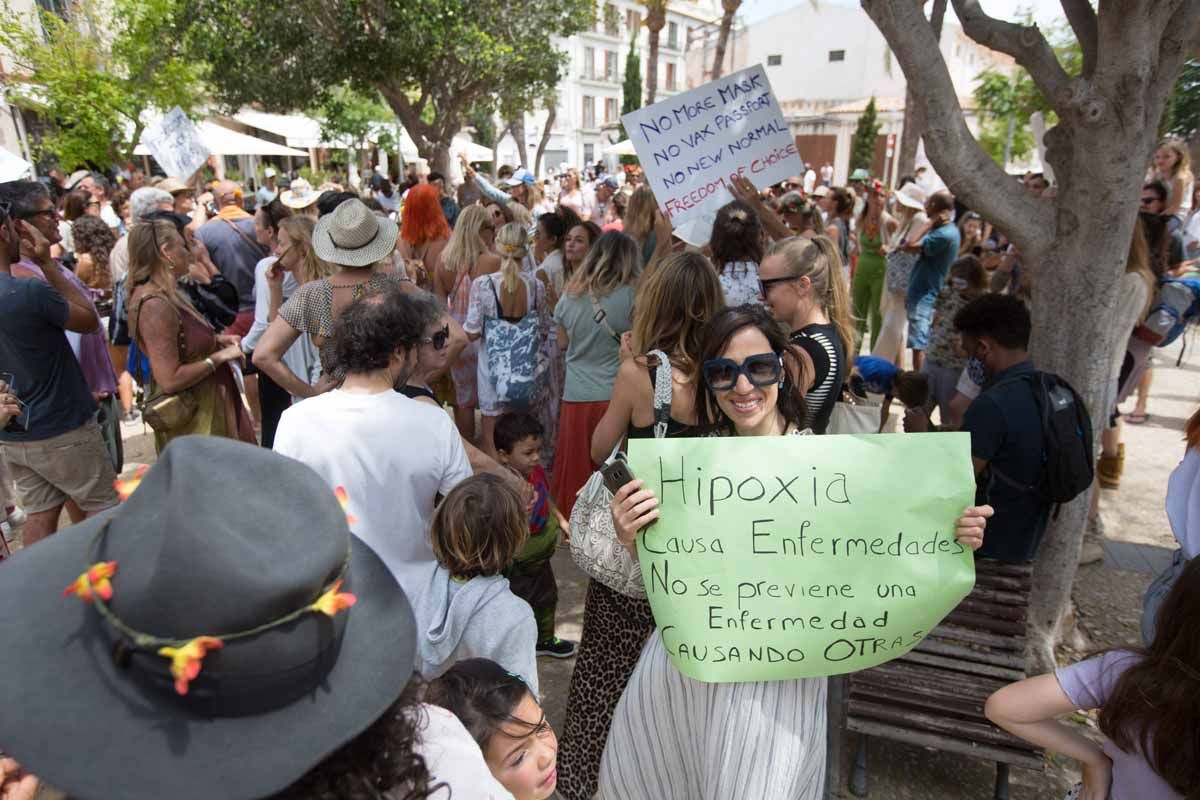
(675, 428)
(408, 390)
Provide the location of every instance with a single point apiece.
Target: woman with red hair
(424, 232)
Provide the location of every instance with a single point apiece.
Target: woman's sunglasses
(765, 284)
(763, 369)
(439, 339)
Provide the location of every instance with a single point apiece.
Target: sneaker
(556, 648)
(15, 517)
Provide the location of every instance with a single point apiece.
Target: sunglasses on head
(721, 374)
(439, 339)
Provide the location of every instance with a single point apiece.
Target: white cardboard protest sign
(691, 144)
(175, 144)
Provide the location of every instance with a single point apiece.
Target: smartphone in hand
(616, 475)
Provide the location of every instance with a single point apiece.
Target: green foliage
(431, 60)
(862, 146)
(349, 116)
(94, 85)
(631, 92)
(993, 132)
(1182, 115)
(482, 118)
(998, 97)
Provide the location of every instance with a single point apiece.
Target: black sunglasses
(439, 339)
(1149, 201)
(765, 284)
(721, 374)
(49, 212)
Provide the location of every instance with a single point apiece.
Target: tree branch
(952, 149)
(1082, 17)
(1178, 40)
(1025, 43)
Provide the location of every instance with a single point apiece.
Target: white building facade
(590, 94)
(825, 63)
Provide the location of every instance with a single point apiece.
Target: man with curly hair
(393, 455)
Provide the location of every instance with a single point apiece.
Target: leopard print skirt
(615, 628)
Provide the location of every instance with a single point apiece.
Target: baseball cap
(820, 191)
(611, 182)
(522, 175)
(269, 172)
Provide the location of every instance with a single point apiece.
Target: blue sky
(1044, 11)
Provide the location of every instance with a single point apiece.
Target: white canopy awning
(473, 151)
(13, 167)
(222, 141)
(303, 131)
(621, 148)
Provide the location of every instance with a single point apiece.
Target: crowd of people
(374, 411)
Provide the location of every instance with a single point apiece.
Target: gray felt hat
(221, 539)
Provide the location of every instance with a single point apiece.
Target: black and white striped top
(824, 346)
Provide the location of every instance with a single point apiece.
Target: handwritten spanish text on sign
(175, 144)
(799, 556)
(691, 144)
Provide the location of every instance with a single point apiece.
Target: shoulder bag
(594, 544)
(899, 264)
(167, 413)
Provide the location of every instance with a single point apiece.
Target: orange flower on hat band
(344, 499)
(185, 661)
(334, 601)
(93, 582)
(126, 488)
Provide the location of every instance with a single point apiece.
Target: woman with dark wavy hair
(677, 738)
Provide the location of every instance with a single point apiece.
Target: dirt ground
(1107, 600)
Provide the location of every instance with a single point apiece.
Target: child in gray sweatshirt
(463, 605)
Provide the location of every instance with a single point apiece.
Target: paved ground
(1107, 597)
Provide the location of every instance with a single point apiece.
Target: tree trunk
(656, 19)
(1073, 245)
(517, 127)
(914, 121)
(545, 140)
(730, 8)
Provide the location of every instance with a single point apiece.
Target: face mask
(958, 283)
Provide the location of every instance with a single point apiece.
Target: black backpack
(1068, 461)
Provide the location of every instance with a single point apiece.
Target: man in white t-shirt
(810, 179)
(392, 455)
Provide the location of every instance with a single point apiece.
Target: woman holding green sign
(675, 737)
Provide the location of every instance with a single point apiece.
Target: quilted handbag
(594, 544)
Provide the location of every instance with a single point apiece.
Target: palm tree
(656, 20)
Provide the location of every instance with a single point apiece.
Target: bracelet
(212, 366)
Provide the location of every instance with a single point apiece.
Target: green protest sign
(799, 556)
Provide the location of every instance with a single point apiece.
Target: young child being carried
(880, 376)
(503, 716)
(518, 438)
(463, 605)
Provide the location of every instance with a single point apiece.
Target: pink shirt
(93, 347)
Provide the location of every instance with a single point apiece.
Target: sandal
(1136, 417)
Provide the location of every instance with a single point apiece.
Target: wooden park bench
(934, 695)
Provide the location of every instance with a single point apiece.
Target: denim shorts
(920, 321)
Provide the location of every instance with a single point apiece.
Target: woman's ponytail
(510, 242)
(837, 292)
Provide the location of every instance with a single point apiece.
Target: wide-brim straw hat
(300, 194)
(221, 539)
(354, 236)
(911, 195)
(173, 185)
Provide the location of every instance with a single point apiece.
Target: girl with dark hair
(503, 716)
(547, 254)
(676, 738)
(1149, 701)
(737, 248)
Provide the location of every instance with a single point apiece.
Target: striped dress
(675, 738)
